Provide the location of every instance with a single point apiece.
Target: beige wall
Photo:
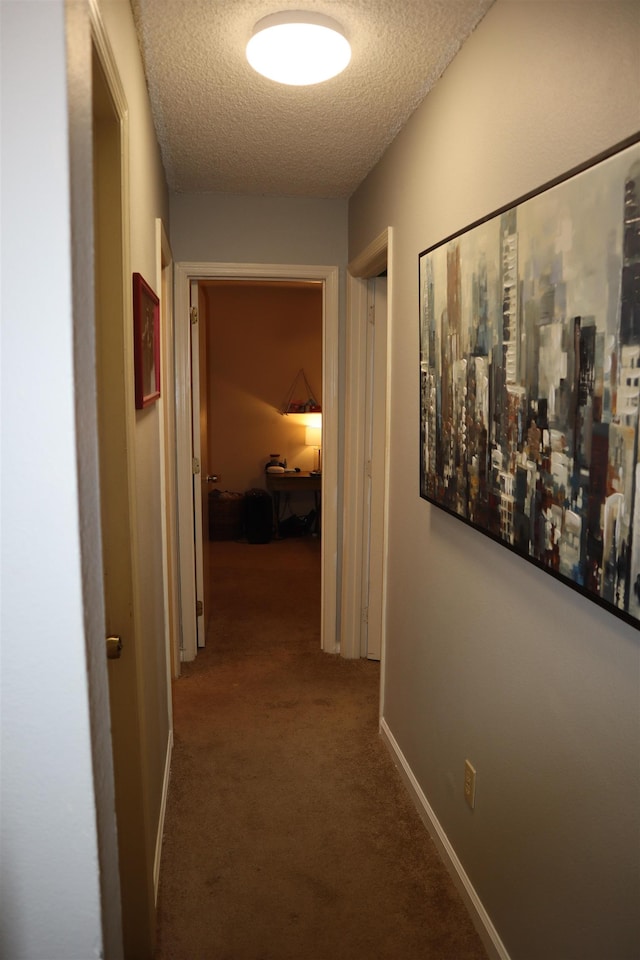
(252, 229)
(488, 657)
(148, 199)
(260, 336)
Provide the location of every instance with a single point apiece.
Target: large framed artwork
(530, 378)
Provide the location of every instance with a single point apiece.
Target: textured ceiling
(223, 128)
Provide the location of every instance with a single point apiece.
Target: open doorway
(296, 276)
(255, 339)
(260, 334)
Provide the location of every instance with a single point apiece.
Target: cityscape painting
(530, 378)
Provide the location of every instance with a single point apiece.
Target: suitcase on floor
(258, 516)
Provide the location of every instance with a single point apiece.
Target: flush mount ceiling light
(298, 48)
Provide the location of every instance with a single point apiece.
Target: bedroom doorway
(190, 539)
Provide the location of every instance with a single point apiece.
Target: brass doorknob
(114, 648)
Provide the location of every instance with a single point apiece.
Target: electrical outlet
(470, 783)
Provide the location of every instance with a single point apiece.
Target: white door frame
(369, 263)
(196, 453)
(164, 284)
(329, 275)
(373, 485)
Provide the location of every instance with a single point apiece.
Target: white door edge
(196, 476)
(369, 263)
(184, 476)
(377, 438)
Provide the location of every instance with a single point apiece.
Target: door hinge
(369, 469)
(195, 465)
(372, 313)
(365, 614)
(194, 315)
(199, 608)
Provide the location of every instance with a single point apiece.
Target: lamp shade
(313, 436)
(298, 48)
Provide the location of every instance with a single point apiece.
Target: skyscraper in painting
(628, 397)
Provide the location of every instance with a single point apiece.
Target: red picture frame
(146, 342)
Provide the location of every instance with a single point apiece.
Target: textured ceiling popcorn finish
(223, 128)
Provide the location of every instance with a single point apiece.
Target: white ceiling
(224, 129)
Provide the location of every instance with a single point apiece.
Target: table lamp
(313, 438)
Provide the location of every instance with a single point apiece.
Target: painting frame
(146, 342)
(529, 366)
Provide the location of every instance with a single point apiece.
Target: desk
(302, 482)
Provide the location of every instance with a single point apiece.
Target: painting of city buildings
(530, 378)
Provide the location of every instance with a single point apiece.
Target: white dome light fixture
(298, 48)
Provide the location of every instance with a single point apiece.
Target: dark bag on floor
(296, 526)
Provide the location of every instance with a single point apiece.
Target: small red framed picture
(146, 342)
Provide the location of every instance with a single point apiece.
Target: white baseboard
(481, 919)
(163, 810)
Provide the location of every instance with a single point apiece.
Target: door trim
(198, 349)
(164, 283)
(329, 275)
(367, 264)
(373, 485)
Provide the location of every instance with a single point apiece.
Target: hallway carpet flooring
(288, 834)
